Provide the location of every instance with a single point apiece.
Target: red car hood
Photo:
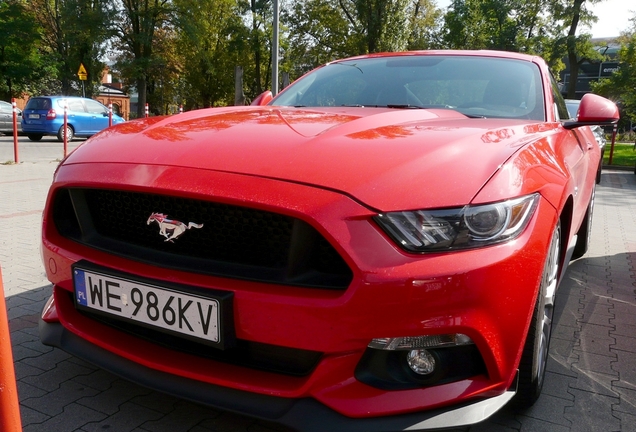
(386, 159)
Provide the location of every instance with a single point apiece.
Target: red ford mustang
(376, 248)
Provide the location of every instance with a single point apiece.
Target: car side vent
(232, 241)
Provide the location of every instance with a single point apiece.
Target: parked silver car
(6, 118)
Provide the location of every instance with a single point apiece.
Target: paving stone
(594, 362)
(550, 409)
(625, 366)
(595, 383)
(53, 402)
(181, 419)
(628, 422)
(28, 391)
(109, 401)
(128, 417)
(98, 379)
(30, 416)
(627, 402)
(51, 379)
(72, 418)
(592, 412)
(624, 343)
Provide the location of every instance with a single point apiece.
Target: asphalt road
(46, 150)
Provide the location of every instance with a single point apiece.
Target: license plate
(34, 116)
(150, 305)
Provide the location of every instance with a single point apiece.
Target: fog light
(421, 361)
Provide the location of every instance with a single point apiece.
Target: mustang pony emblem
(170, 229)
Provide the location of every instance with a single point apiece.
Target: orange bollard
(9, 406)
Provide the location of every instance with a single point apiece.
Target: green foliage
(74, 32)
(623, 155)
(22, 67)
(135, 26)
(621, 84)
(211, 41)
(323, 30)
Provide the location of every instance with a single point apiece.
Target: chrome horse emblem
(170, 229)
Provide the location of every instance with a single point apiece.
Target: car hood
(386, 159)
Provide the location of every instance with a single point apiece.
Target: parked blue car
(44, 115)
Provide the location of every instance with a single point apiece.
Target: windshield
(474, 86)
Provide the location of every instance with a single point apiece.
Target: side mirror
(262, 99)
(594, 110)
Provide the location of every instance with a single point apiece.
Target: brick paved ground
(591, 378)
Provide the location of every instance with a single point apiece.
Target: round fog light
(421, 361)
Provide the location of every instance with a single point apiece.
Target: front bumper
(304, 414)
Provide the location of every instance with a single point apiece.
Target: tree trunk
(571, 45)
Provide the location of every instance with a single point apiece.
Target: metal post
(146, 110)
(614, 130)
(275, 49)
(65, 134)
(16, 156)
(110, 114)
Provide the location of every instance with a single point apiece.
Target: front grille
(236, 242)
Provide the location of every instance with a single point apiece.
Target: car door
(6, 116)
(580, 153)
(77, 116)
(98, 115)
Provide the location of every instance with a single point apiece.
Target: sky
(613, 16)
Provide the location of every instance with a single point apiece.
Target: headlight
(459, 228)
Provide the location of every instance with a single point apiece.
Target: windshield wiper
(404, 106)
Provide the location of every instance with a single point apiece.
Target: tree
(621, 85)
(323, 30)
(75, 32)
(136, 26)
(319, 32)
(509, 25)
(568, 43)
(21, 62)
(211, 41)
(424, 25)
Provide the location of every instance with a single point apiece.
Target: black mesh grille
(233, 241)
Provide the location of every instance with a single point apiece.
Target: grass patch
(624, 154)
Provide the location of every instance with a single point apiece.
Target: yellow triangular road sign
(81, 73)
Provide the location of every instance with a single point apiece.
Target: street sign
(81, 73)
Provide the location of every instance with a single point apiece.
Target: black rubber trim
(305, 414)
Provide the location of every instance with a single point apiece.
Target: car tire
(70, 133)
(584, 233)
(535, 351)
(35, 137)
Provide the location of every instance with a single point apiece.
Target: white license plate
(154, 306)
(34, 116)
